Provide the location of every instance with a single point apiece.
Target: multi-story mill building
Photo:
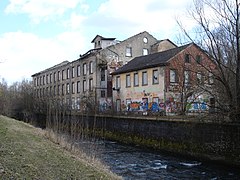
(87, 80)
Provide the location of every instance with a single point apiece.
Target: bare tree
(218, 33)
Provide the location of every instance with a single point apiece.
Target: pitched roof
(159, 41)
(102, 38)
(151, 60)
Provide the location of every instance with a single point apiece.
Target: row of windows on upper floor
(155, 79)
(187, 77)
(62, 75)
(128, 52)
(65, 89)
(188, 58)
(173, 74)
(68, 103)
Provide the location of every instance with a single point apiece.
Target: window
(68, 102)
(187, 58)
(210, 78)
(91, 67)
(199, 78)
(63, 75)
(58, 90)
(40, 80)
(51, 78)
(68, 88)
(78, 70)
(103, 93)
(84, 69)
(55, 77)
(54, 91)
(90, 84)
(73, 103)
(155, 77)
(186, 77)
(136, 82)
(43, 79)
(118, 82)
(78, 103)
(128, 80)
(78, 87)
(173, 76)
(47, 79)
(145, 51)
(68, 73)
(198, 59)
(128, 51)
(145, 40)
(59, 76)
(144, 78)
(73, 72)
(63, 89)
(84, 85)
(35, 82)
(73, 87)
(102, 75)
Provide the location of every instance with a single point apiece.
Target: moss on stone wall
(184, 148)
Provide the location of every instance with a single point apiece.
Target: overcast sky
(37, 34)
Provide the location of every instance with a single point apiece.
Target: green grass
(26, 154)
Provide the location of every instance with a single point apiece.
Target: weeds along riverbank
(27, 152)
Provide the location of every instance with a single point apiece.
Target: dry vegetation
(26, 153)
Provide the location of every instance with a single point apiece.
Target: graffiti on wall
(105, 104)
(157, 105)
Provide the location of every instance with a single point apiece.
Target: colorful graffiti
(169, 106)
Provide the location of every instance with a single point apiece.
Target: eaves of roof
(64, 63)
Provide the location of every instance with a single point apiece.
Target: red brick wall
(179, 64)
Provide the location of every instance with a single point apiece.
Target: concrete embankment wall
(220, 142)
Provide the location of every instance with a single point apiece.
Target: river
(132, 162)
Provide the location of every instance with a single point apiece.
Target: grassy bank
(26, 154)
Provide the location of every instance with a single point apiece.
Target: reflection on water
(137, 163)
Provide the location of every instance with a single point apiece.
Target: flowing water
(137, 163)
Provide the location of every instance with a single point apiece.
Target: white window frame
(118, 82)
(186, 77)
(78, 70)
(128, 51)
(84, 85)
(73, 72)
(145, 51)
(173, 76)
(144, 78)
(155, 76)
(67, 88)
(128, 80)
(136, 79)
(91, 84)
(90, 67)
(78, 86)
(84, 68)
